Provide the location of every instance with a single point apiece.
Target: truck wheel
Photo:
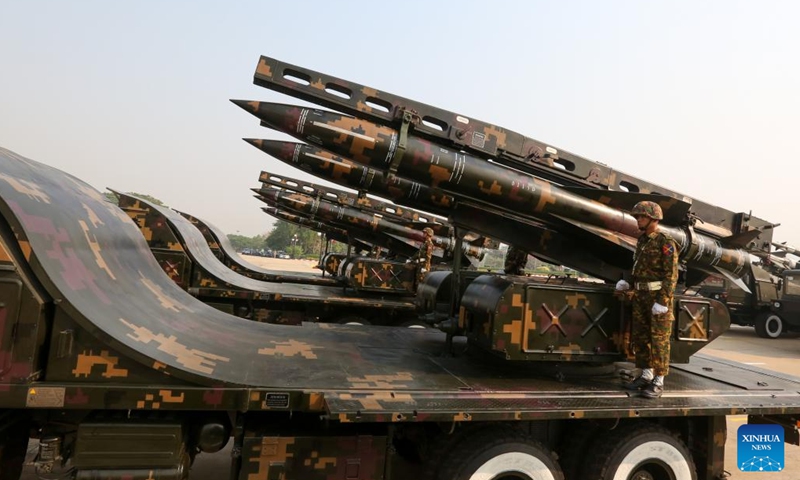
(499, 454)
(642, 452)
(769, 325)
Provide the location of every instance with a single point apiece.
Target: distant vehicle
(284, 255)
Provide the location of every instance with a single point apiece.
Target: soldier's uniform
(655, 274)
(515, 262)
(425, 254)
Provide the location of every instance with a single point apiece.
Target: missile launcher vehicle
(122, 374)
(185, 256)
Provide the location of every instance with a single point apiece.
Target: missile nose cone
(256, 142)
(276, 116)
(247, 105)
(276, 148)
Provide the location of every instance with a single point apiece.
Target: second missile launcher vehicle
(185, 256)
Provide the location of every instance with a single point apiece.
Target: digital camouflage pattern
(566, 320)
(515, 261)
(424, 255)
(282, 301)
(650, 210)
(361, 202)
(471, 178)
(318, 402)
(330, 232)
(656, 259)
(354, 221)
(545, 244)
(380, 275)
(458, 132)
(347, 173)
(219, 243)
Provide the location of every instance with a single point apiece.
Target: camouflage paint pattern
(348, 217)
(331, 262)
(527, 318)
(330, 232)
(656, 259)
(313, 457)
(361, 202)
(347, 173)
(214, 283)
(463, 133)
(222, 248)
(470, 177)
(381, 275)
(358, 237)
(220, 244)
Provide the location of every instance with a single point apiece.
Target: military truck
(121, 374)
(771, 306)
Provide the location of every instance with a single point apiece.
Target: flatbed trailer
(185, 256)
(119, 373)
(223, 248)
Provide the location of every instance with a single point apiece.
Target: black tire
(769, 325)
(500, 454)
(640, 451)
(14, 436)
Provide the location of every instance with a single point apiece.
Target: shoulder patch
(668, 249)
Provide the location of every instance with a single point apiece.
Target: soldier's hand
(659, 309)
(624, 295)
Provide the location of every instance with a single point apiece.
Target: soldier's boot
(637, 383)
(653, 390)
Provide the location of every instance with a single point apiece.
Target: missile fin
(675, 210)
(736, 281)
(615, 238)
(741, 239)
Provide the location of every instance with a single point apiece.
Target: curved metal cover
(94, 262)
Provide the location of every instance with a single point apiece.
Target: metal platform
(93, 261)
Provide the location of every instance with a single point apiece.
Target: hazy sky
(700, 96)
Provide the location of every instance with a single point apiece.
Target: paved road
(739, 344)
(781, 355)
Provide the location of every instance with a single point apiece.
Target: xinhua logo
(760, 448)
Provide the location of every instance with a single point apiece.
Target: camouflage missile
(405, 216)
(347, 173)
(330, 232)
(464, 133)
(338, 234)
(467, 176)
(352, 235)
(348, 216)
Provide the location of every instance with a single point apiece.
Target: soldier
(516, 259)
(655, 273)
(423, 256)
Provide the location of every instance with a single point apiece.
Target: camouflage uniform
(656, 259)
(515, 262)
(424, 254)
